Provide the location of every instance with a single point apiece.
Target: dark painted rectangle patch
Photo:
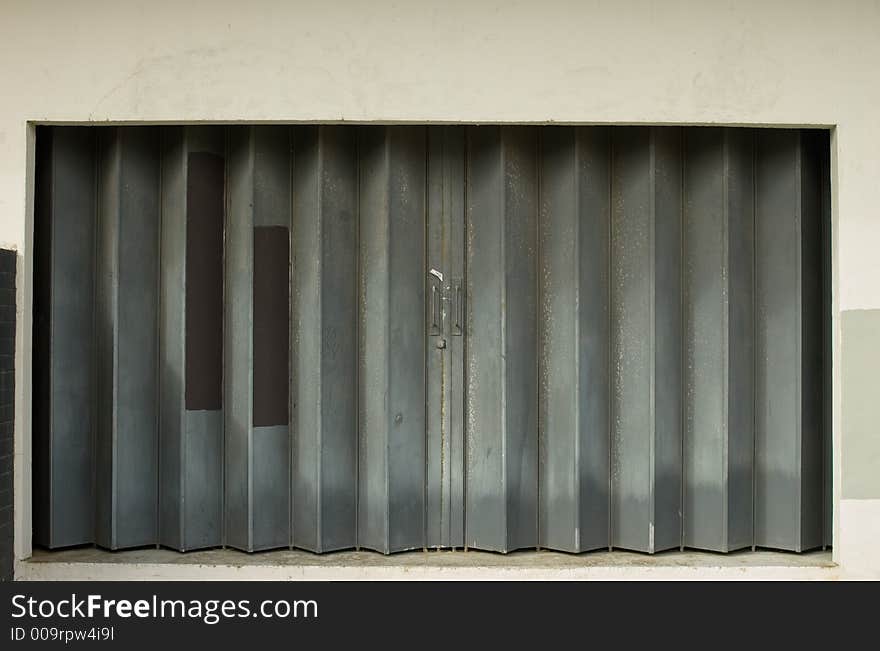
(204, 281)
(271, 309)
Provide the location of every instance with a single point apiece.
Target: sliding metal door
(408, 337)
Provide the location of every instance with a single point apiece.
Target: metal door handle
(435, 311)
(456, 322)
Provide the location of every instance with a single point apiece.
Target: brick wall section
(7, 397)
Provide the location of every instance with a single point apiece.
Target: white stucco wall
(616, 61)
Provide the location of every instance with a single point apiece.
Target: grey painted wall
(861, 413)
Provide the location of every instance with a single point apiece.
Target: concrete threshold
(90, 563)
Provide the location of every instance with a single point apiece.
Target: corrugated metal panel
(646, 339)
(392, 208)
(789, 401)
(191, 335)
(501, 412)
(408, 337)
(257, 495)
(324, 321)
(126, 307)
(719, 342)
(64, 360)
(574, 354)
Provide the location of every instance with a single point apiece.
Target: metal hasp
(191, 338)
(501, 498)
(719, 244)
(64, 392)
(646, 309)
(126, 312)
(790, 395)
(324, 332)
(574, 339)
(391, 470)
(257, 339)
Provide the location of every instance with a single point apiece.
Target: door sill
(89, 563)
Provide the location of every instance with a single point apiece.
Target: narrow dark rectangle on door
(204, 281)
(271, 309)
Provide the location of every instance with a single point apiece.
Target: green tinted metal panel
(719, 349)
(127, 338)
(501, 364)
(646, 336)
(400, 337)
(324, 322)
(574, 342)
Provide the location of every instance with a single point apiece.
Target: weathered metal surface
(789, 397)
(719, 338)
(406, 337)
(64, 393)
(445, 349)
(190, 334)
(813, 348)
(238, 331)
(391, 471)
(324, 327)
(574, 339)
(501, 358)
(646, 336)
(126, 435)
(257, 504)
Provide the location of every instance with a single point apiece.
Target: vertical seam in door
(725, 343)
(93, 343)
(465, 137)
(756, 344)
(577, 337)
(357, 135)
(652, 426)
(609, 338)
(251, 165)
(799, 240)
(226, 215)
(504, 310)
(319, 295)
(683, 295)
(293, 350)
(223, 407)
(539, 342)
(48, 221)
(425, 208)
(425, 366)
(539, 329)
(386, 506)
(181, 501)
(445, 369)
(157, 356)
(293, 330)
(114, 321)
